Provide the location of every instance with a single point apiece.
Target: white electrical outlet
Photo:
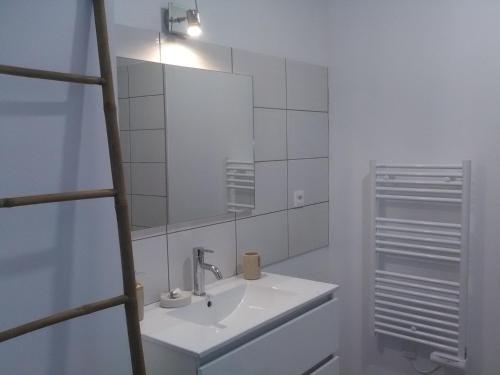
(298, 198)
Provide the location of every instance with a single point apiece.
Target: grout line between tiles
(149, 195)
(142, 96)
(165, 139)
(235, 247)
(286, 151)
(312, 158)
(290, 109)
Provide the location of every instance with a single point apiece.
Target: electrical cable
(425, 372)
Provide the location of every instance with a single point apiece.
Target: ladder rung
(62, 316)
(57, 197)
(47, 74)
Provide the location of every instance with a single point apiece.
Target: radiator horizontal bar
(50, 75)
(419, 231)
(417, 333)
(417, 302)
(240, 180)
(420, 222)
(421, 166)
(238, 174)
(241, 167)
(419, 174)
(416, 324)
(418, 247)
(62, 316)
(417, 255)
(418, 294)
(419, 182)
(417, 286)
(417, 340)
(56, 197)
(419, 190)
(418, 199)
(240, 187)
(418, 317)
(417, 309)
(421, 239)
(419, 278)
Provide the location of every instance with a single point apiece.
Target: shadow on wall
(56, 262)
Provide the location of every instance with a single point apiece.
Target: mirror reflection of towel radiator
(240, 180)
(419, 238)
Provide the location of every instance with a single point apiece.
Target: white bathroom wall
(288, 28)
(52, 138)
(414, 81)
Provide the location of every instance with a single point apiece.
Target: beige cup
(139, 292)
(251, 265)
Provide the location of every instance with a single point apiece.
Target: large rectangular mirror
(187, 137)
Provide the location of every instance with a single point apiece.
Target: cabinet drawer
(329, 368)
(292, 348)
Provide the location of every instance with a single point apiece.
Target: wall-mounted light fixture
(181, 21)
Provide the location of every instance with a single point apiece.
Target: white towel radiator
(419, 238)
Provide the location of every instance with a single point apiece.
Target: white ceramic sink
(232, 308)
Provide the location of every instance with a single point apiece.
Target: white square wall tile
(269, 77)
(147, 112)
(307, 86)
(149, 179)
(135, 43)
(270, 134)
(308, 228)
(149, 211)
(266, 233)
(147, 146)
(123, 114)
(219, 237)
(145, 78)
(125, 145)
(310, 176)
(151, 266)
(122, 81)
(307, 134)
(270, 187)
(195, 54)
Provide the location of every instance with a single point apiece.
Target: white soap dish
(175, 298)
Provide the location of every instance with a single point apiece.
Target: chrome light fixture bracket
(181, 21)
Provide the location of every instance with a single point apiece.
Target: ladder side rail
(121, 207)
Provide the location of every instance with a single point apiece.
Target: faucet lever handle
(201, 250)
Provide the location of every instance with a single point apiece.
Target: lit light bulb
(194, 31)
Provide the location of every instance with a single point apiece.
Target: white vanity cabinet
(292, 348)
(331, 367)
(300, 340)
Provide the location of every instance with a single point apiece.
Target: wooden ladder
(128, 298)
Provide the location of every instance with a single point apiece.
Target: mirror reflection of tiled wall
(142, 130)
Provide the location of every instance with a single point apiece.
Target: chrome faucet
(199, 267)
